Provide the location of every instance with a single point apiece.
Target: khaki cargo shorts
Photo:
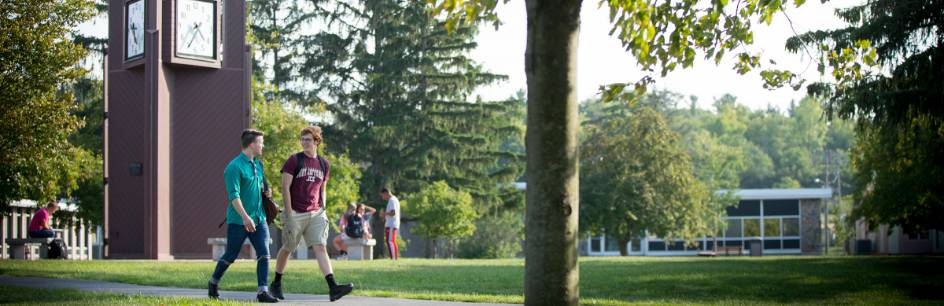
(313, 226)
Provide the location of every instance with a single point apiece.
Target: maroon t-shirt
(306, 186)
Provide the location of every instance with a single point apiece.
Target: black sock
(278, 277)
(330, 279)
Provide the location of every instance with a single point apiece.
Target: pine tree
(409, 115)
(900, 116)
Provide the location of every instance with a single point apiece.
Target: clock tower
(177, 80)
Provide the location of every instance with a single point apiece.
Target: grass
(27, 296)
(603, 281)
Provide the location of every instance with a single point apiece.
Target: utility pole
(826, 215)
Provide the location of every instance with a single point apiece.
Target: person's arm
(47, 223)
(247, 221)
(370, 210)
(392, 211)
(287, 197)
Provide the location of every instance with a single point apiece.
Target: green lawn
(26, 296)
(603, 281)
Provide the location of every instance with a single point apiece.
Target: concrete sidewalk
(290, 299)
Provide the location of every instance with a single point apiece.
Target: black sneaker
(276, 290)
(340, 291)
(214, 291)
(264, 297)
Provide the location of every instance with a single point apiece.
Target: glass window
(771, 244)
(751, 227)
(791, 227)
(595, 244)
(656, 246)
(791, 244)
(634, 246)
(677, 246)
(745, 209)
(734, 228)
(771, 227)
(612, 245)
(781, 207)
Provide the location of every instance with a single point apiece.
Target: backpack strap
(299, 163)
(323, 181)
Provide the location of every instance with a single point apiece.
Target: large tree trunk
(431, 248)
(551, 273)
(623, 243)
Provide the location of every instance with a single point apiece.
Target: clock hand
(134, 36)
(192, 34)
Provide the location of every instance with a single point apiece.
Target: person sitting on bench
(39, 224)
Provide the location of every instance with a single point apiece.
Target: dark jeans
(43, 233)
(235, 236)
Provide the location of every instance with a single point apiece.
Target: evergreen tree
(900, 115)
(409, 115)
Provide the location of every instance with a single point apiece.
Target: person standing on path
(304, 180)
(245, 216)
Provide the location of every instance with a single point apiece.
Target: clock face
(134, 29)
(196, 28)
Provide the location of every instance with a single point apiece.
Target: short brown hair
(52, 204)
(314, 131)
(249, 136)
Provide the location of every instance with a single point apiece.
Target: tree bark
(431, 248)
(551, 271)
(624, 250)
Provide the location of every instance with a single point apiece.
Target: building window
(772, 227)
(751, 227)
(781, 207)
(745, 209)
(677, 246)
(612, 245)
(595, 244)
(772, 244)
(791, 243)
(656, 246)
(791, 227)
(734, 228)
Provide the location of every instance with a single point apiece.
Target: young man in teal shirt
(245, 216)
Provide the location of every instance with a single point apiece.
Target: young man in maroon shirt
(304, 179)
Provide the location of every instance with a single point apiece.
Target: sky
(602, 60)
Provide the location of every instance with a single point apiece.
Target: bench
(219, 247)
(29, 248)
(360, 249)
(728, 250)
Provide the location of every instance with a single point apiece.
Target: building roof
(782, 194)
(63, 205)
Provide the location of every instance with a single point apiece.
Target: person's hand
(250, 226)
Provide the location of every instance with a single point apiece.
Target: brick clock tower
(177, 96)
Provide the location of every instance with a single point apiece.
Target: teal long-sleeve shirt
(244, 180)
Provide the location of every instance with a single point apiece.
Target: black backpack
(56, 250)
(355, 226)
